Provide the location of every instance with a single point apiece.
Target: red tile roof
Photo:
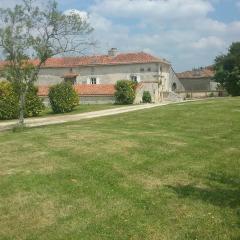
(70, 75)
(85, 90)
(123, 58)
(206, 72)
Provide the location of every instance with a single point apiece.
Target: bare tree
(30, 34)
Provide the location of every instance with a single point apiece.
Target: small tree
(227, 70)
(63, 98)
(37, 31)
(146, 98)
(125, 92)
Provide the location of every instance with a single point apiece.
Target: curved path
(35, 122)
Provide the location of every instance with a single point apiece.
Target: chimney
(112, 52)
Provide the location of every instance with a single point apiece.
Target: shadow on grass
(221, 190)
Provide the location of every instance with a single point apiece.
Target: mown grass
(82, 108)
(164, 173)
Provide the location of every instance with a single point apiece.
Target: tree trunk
(22, 108)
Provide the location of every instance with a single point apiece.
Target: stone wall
(87, 100)
(106, 74)
(198, 84)
(202, 94)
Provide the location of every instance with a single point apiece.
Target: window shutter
(98, 80)
(88, 80)
(138, 78)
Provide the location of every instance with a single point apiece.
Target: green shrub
(8, 101)
(125, 92)
(211, 94)
(63, 98)
(33, 104)
(146, 98)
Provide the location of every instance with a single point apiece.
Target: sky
(188, 33)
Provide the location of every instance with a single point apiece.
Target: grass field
(165, 173)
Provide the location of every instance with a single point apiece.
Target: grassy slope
(164, 173)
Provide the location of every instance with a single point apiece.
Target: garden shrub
(63, 98)
(146, 98)
(211, 94)
(8, 101)
(125, 92)
(33, 104)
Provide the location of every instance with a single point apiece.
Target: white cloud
(209, 42)
(157, 8)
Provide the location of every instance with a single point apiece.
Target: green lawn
(165, 173)
(82, 108)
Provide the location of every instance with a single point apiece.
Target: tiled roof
(70, 75)
(206, 72)
(85, 90)
(122, 58)
(98, 89)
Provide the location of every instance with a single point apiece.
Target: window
(174, 87)
(141, 69)
(93, 80)
(71, 80)
(134, 78)
(149, 69)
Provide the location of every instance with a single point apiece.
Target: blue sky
(189, 33)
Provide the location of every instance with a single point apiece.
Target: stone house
(94, 77)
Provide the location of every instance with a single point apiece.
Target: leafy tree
(227, 70)
(36, 31)
(125, 92)
(63, 98)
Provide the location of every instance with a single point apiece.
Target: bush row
(63, 98)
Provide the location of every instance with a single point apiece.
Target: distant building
(200, 79)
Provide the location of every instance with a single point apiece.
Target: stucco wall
(105, 74)
(174, 79)
(87, 100)
(198, 84)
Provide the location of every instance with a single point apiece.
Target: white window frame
(93, 80)
(89, 80)
(135, 77)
